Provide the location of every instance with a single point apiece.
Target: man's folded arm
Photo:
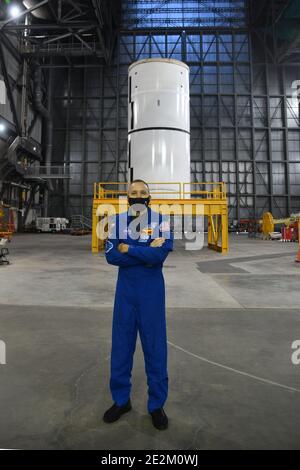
(116, 258)
(151, 255)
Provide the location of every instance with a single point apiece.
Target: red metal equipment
(290, 234)
(7, 227)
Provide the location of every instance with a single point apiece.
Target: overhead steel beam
(282, 11)
(98, 14)
(188, 29)
(289, 49)
(75, 7)
(59, 26)
(72, 66)
(83, 42)
(63, 36)
(9, 91)
(56, 38)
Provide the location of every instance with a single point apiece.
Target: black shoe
(115, 412)
(159, 419)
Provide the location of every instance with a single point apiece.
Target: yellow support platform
(210, 201)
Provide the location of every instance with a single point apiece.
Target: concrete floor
(231, 322)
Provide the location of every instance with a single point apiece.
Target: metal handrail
(218, 190)
(48, 171)
(82, 220)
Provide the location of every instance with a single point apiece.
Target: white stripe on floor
(236, 371)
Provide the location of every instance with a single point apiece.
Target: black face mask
(139, 200)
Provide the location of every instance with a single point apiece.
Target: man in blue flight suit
(138, 243)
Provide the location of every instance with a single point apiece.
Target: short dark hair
(139, 181)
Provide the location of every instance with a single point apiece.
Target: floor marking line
(260, 379)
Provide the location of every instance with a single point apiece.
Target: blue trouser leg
(153, 334)
(124, 334)
(140, 305)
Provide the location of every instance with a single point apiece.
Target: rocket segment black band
(159, 129)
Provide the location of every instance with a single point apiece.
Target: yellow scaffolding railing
(211, 196)
(218, 190)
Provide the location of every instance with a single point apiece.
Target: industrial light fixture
(2, 127)
(14, 11)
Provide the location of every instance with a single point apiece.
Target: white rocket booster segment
(159, 123)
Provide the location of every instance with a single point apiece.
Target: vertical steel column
(255, 215)
(270, 162)
(24, 97)
(49, 150)
(83, 143)
(286, 144)
(67, 151)
(117, 111)
(236, 146)
(183, 46)
(218, 108)
(166, 44)
(101, 105)
(24, 100)
(202, 109)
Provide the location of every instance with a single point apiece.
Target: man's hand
(157, 242)
(123, 248)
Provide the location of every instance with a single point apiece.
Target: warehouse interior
(232, 311)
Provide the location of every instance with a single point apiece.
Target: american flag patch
(148, 231)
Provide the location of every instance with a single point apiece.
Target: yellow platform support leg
(213, 232)
(95, 241)
(217, 236)
(224, 223)
(209, 231)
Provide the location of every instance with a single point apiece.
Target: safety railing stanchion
(95, 241)
(224, 234)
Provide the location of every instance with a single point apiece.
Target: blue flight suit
(139, 306)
